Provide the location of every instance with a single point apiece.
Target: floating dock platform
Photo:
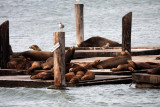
(17, 78)
(145, 80)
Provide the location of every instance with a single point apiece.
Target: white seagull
(77, 1)
(61, 26)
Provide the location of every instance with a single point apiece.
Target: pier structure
(79, 23)
(4, 44)
(59, 59)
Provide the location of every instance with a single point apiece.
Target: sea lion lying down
(49, 62)
(114, 62)
(136, 66)
(98, 42)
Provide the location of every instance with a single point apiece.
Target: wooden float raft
(145, 80)
(17, 78)
(25, 81)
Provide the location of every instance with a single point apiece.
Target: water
(89, 96)
(34, 21)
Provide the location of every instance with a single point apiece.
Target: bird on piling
(77, 1)
(61, 26)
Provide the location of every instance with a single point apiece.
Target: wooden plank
(4, 72)
(4, 44)
(79, 23)
(23, 81)
(113, 53)
(145, 85)
(126, 32)
(59, 59)
(146, 78)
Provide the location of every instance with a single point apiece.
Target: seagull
(61, 26)
(77, 1)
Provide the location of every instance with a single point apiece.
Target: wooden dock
(145, 80)
(17, 78)
(25, 81)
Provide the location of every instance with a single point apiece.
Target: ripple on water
(101, 96)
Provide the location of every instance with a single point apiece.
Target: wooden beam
(126, 32)
(59, 59)
(79, 23)
(4, 44)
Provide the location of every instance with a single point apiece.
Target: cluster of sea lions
(39, 64)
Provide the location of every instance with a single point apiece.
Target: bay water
(34, 21)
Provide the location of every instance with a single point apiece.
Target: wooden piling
(79, 23)
(59, 59)
(126, 32)
(4, 44)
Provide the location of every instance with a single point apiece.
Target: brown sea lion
(84, 68)
(35, 47)
(75, 79)
(37, 55)
(98, 42)
(69, 76)
(143, 65)
(35, 65)
(18, 63)
(114, 62)
(89, 75)
(45, 75)
(155, 71)
(123, 67)
(48, 64)
(80, 74)
(69, 54)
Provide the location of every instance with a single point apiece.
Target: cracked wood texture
(4, 44)
(126, 32)
(59, 59)
(79, 23)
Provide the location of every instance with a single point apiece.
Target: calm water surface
(89, 96)
(34, 21)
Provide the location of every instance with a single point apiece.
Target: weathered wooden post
(79, 23)
(4, 44)
(59, 59)
(126, 32)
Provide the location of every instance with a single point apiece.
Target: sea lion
(98, 42)
(75, 79)
(18, 63)
(114, 62)
(84, 68)
(35, 47)
(68, 57)
(36, 55)
(89, 75)
(44, 75)
(155, 71)
(35, 65)
(80, 74)
(69, 54)
(69, 76)
(48, 64)
(143, 65)
(123, 67)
